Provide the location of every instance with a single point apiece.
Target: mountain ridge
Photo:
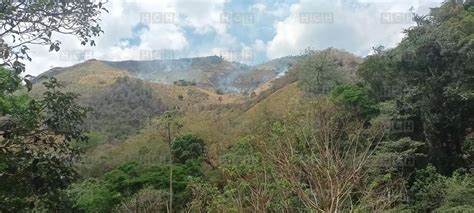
(210, 72)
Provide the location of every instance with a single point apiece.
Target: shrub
(187, 147)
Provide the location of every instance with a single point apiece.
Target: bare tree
(169, 129)
(252, 192)
(145, 201)
(323, 159)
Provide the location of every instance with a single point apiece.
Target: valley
(264, 112)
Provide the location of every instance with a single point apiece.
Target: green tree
(36, 134)
(355, 99)
(249, 185)
(377, 73)
(133, 185)
(120, 110)
(93, 196)
(187, 147)
(459, 193)
(23, 23)
(204, 196)
(434, 62)
(35, 144)
(318, 73)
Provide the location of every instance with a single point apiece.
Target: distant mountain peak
(210, 72)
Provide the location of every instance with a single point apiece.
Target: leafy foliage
(93, 196)
(444, 194)
(434, 62)
(116, 188)
(319, 73)
(427, 80)
(355, 99)
(331, 154)
(145, 200)
(33, 22)
(187, 147)
(123, 108)
(35, 145)
(250, 185)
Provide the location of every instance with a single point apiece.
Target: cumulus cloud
(164, 22)
(196, 28)
(353, 25)
(203, 16)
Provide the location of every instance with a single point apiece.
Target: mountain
(207, 72)
(124, 95)
(203, 71)
(200, 81)
(212, 72)
(218, 100)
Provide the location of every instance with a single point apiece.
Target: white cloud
(260, 7)
(259, 45)
(123, 16)
(203, 16)
(357, 25)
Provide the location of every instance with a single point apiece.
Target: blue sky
(239, 30)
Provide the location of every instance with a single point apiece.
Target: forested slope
(325, 131)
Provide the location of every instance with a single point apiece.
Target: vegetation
(123, 108)
(187, 147)
(391, 133)
(117, 188)
(355, 99)
(33, 22)
(36, 133)
(319, 73)
(36, 149)
(184, 83)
